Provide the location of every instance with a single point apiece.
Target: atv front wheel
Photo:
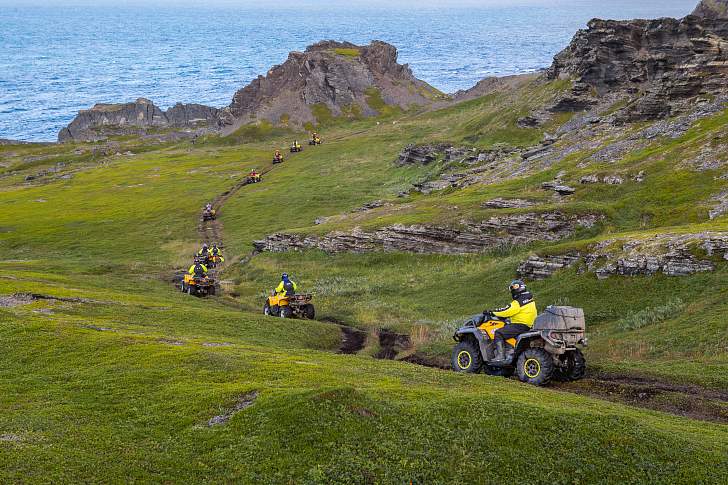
(535, 366)
(466, 358)
(266, 309)
(286, 312)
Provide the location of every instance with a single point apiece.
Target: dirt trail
(650, 393)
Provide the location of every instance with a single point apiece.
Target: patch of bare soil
(391, 343)
(352, 340)
(686, 400)
(17, 299)
(243, 402)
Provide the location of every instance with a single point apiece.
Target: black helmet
(284, 276)
(517, 287)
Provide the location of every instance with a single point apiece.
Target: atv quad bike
(209, 214)
(278, 159)
(315, 140)
(296, 148)
(214, 260)
(289, 306)
(198, 285)
(549, 350)
(254, 177)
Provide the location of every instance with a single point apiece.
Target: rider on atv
(522, 313)
(204, 253)
(277, 157)
(286, 287)
(198, 269)
(216, 252)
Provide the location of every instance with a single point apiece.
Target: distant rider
(277, 156)
(204, 253)
(216, 251)
(522, 313)
(287, 286)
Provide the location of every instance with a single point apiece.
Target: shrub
(649, 316)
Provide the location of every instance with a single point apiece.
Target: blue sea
(56, 60)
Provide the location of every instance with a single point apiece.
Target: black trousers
(512, 330)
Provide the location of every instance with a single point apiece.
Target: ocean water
(55, 61)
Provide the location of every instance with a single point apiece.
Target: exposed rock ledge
(470, 237)
(120, 119)
(670, 254)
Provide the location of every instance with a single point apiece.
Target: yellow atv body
(550, 349)
(198, 286)
(289, 306)
(209, 215)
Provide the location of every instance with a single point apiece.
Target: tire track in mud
(684, 400)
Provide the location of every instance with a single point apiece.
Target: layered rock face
(663, 60)
(340, 76)
(712, 9)
(119, 119)
(669, 254)
(471, 237)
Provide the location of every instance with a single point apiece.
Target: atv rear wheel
(309, 311)
(466, 357)
(286, 312)
(535, 366)
(574, 369)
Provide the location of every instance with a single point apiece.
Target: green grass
(119, 387)
(347, 52)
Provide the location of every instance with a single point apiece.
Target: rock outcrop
(664, 60)
(332, 79)
(328, 79)
(469, 237)
(120, 119)
(669, 254)
(712, 9)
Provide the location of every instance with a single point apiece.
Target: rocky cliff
(712, 9)
(660, 62)
(329, 78)
(119, 119)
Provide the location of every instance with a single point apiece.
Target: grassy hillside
(110, 374)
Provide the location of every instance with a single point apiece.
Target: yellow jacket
(192, 269)
(523, 311)
(280, 289)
